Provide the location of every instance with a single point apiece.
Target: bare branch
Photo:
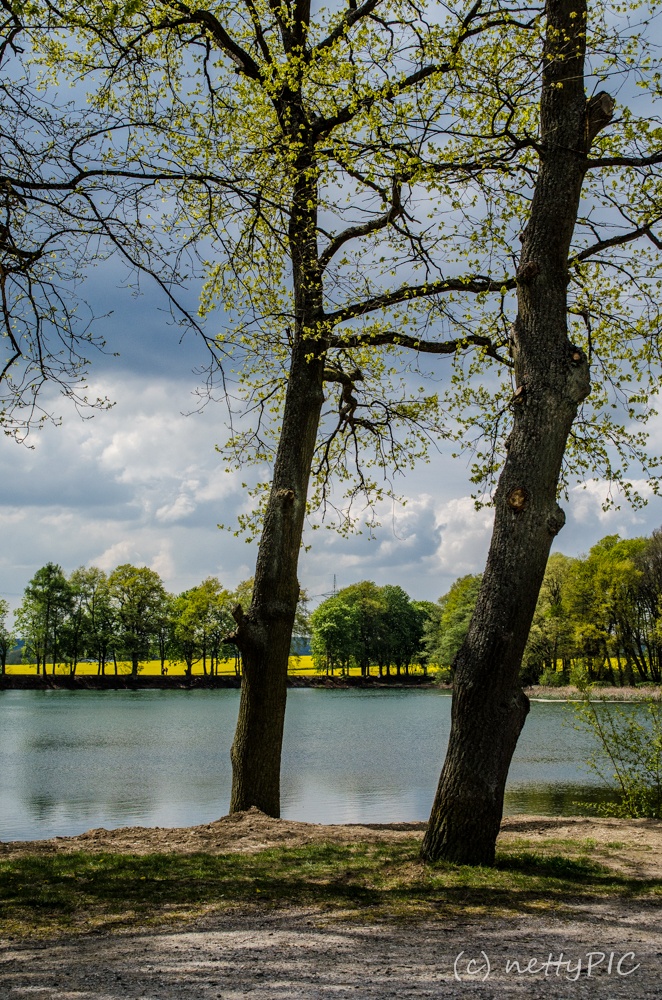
(615, 241)
(243, 61)
(625, 161)
(349, 18)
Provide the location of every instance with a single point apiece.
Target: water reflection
(72, 761)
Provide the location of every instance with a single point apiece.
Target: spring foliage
(420, 123)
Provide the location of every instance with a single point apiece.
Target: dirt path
(305, 954)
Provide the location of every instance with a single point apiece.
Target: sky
(143, 483)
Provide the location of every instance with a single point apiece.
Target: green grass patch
(46, 895)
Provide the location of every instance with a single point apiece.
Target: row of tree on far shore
(598, 618)
(125, 615)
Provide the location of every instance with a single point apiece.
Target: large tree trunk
(552, 376)
(264, 634)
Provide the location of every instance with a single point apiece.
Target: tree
(333, 624)
(426, 613)
(7, 639)
(42, 615)
(550, 635)
(92, 630)
(322, 87)
(400, 632)
(365, 624)
(552, 378)
(50, 232)
(138, 597)
(448, 628)
(648, 562)
(610, 613)
(200, 619)
(628, 756)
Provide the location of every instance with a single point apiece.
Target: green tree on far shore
(7, 638)
(42, 614)
(365, 625)
(200, 619)
(138, 596)
(447, 629)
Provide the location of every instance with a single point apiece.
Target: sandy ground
(604, 950)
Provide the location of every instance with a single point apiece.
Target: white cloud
(141, 483)
(116, 555)
(179, 509)
(465, 536)
(422, 546)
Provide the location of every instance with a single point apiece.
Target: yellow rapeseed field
(298, 665)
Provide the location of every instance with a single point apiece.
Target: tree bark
(552, 378)
(264, 633)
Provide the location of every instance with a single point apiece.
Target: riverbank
(594, 693)
(126, 682)
(123, 682)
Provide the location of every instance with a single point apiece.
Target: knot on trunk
(579, 380)
(518, 499)
(599, 113)
(237, 613)
(577, 356)
(519, 396)
(527, 271)
(556, 520)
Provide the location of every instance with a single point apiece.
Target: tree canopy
(364, 625)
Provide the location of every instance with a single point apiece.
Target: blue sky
(143, 483)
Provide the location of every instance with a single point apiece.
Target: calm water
(72, 761)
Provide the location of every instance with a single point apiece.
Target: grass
(45, 896)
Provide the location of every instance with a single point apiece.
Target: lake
(72, 761)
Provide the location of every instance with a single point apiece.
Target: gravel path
(289, 955)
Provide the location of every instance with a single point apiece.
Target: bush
(552, 678)
(443, 675)
(629, 755)
(579, 676)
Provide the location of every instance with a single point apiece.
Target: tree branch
(476, 286)
(355, 232)
(625, 161)
(613, 242)
(349, 18)
(243, 61)
(417, 344)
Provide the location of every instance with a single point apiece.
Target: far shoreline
(127, 682)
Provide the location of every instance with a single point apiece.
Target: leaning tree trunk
(264, 634)
(552, 378)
